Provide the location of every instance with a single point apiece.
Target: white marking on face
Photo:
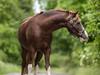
(82, 27)
(48, 71)
(86, 34)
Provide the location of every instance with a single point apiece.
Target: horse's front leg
(47, 60)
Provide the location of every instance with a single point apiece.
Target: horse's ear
(67, 11)
(75, 14)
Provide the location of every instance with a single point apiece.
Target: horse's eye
(78, 22)
(81, 32)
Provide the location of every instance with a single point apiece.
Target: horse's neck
(55, 22)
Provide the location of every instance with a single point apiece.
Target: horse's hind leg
(27, 61)
(31, 61)
(24, 62)
(37, 59)
(24, 68)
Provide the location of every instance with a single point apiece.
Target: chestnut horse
(35, 36)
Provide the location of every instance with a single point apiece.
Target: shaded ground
(39, 74)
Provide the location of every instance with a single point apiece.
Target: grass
(7, 68)
(59, 64)
(85, 71)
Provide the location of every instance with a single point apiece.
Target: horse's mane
(51, 12)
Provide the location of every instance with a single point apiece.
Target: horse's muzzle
(83, 40)
(84, 37)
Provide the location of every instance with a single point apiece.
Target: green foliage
(3, 56)
(26, 5)
(51, 4)
(89, 53)
(11, 14)
(85, 71)
(91, 18)
(70, 51)
(7, 68)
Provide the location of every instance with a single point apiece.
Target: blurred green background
(68, 54)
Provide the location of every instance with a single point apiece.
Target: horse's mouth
(83, 40)
(84, 37)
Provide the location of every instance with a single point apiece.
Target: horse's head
(75, 26)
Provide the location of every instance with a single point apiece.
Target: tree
(11, 15)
